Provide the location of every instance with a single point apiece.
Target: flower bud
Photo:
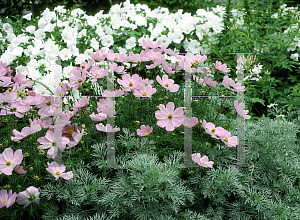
(137, 122)
(31, 168)
(83, 125)
(191, 172)
(78, 115)
(87, 90)
(197, 101)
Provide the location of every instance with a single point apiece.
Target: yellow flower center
(167, 85)
(221, 69)
(146, 132)
(226, 139)
(130, 84)
(213, 130)
(116, 58)
(54, 143)
(79, 80)
(144, 94)
(14, 108)
(83, 67)
(97, 75)
(196, 61)
(170, 116)
(4, 201)
(7, 163)
(48, 103)
(10, 89)
(57, 173)
(193, 64)
(69, 132)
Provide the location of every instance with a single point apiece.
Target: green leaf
(254, 100)
(290, 107)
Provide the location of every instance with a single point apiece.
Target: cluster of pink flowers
(70, 135)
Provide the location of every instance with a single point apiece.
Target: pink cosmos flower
(199, 80)
(48, 105)
(229, 82)
(149, 43)
(136, 58)
(49, 142)
(144, 91)
(100, 55)
(82, 102)
(202, 161)
(169, 118)
(156, 57)
(7, 199)
(117, 69)
(68, 130)
(26, 131)
(197, 58)
(22, 80)
(98, 117)
(167, 68)
(77, 78)
(116, 57)
(210, 81)
(190, 122)
(33, 100)
(169, 51)
(228, 140)
(107, 128)
(220, 67)
(105, 106)
(76, 138)
(17, 109)
(144, 131)
(28, 196)
(130, 83)
(167, 83)
(87, 66)
(97, 73)
(118, 93)
(210, 129)
(9, 159)
(6, 99)
(35, 121)
(5, 81)
(57, 171)
(240, 109)
(147, 82)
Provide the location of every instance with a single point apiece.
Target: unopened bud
(31, 168)
(83, 125)
(78, 115)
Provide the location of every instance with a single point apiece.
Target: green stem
(219, 111)
(42, 85)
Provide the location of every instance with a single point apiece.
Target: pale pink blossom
(107, 128)
(167, 83)
(169, 118)
(49, 142)
(190, 122)
(28, 196)
(240, 109)
(9, 160)
(7, 199)
(57, 171)
(202, 161)
(144, 131)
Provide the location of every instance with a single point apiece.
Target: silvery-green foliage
(149, 190)
(99, 153)
(269, 189)
(76, 196)
(190, 215)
